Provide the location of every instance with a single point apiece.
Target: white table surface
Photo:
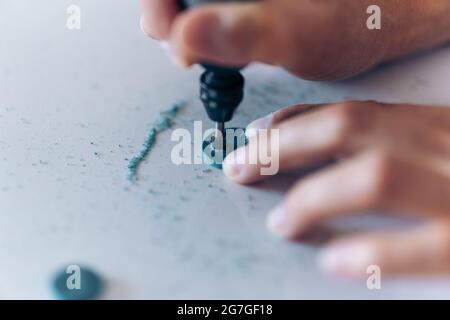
(171, 235)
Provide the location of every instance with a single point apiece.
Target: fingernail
(144, 31)
(277, 220)
(259, 124)
(234, 164)
(348, 260)
(141, 24)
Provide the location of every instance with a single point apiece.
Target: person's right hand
(322, 39)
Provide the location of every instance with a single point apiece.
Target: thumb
(230, 34)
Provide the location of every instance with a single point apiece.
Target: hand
(393, 158)
(325, 39)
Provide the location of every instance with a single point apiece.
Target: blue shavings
(164, 122)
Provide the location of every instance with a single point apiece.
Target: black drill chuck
(221, 88)
(221, 91)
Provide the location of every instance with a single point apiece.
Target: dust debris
(164, 122)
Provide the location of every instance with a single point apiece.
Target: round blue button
(77, 283)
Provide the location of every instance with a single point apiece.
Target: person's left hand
(392, 158)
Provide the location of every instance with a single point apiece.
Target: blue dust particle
(164, 122)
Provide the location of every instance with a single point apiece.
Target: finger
(278, 116)
(438, 116)
(300, 141)
(157, 17)
(425, 250)
(231, 33)
(374, 180)
(435, 115)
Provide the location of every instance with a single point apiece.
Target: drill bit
(220, 133)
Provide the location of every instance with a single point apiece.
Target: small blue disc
(214, 154)
(77, 283)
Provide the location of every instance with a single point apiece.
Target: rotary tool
(221, 88)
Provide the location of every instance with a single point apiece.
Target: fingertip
(152, 29)
(234, 166)
(347, 259)
(144, 30)
(277, 221)
(158, 17)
